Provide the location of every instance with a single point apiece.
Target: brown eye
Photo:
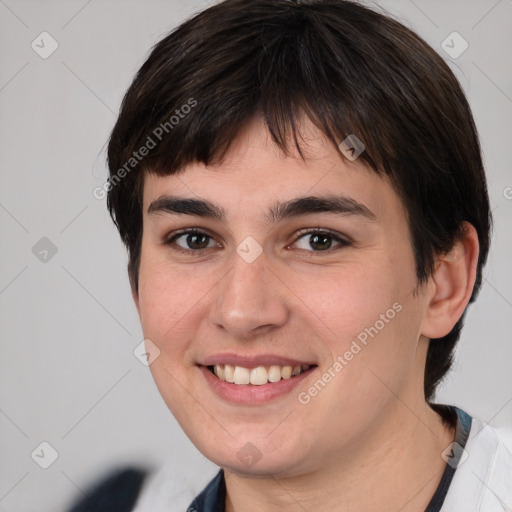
(192, 240)
(319, 241)
(196, 241)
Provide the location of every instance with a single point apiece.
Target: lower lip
(247, 394)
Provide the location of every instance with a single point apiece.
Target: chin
(256, 456)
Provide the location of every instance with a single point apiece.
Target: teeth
(274, 373)
(228, 373)
(219, 371)
(286, 372)
(241, 375)
(296, 371)
(257, 376)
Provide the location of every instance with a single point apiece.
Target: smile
(256, 376)
(254, 379)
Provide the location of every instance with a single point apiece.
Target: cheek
(367, 316)
(347, 300)
(168, 306)
(169, 302)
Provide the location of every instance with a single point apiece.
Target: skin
(367, 441)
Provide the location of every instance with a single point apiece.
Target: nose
(250, 300)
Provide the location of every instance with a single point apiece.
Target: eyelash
(343, 242)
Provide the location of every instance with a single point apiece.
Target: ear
(451, 284)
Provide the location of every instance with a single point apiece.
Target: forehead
(256, 174)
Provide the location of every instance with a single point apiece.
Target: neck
(398, 467)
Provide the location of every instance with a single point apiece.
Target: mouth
(257, 383)
(258, 376)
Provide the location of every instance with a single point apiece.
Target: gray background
(68, 326)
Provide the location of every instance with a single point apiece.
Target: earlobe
(451, 285)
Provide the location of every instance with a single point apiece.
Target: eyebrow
(300, 206)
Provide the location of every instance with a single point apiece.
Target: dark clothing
(117, 493)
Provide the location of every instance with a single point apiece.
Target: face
(249, 277)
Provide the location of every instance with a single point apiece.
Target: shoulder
(482, 479)
(118, 492)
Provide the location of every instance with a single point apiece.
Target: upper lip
(252, 361)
